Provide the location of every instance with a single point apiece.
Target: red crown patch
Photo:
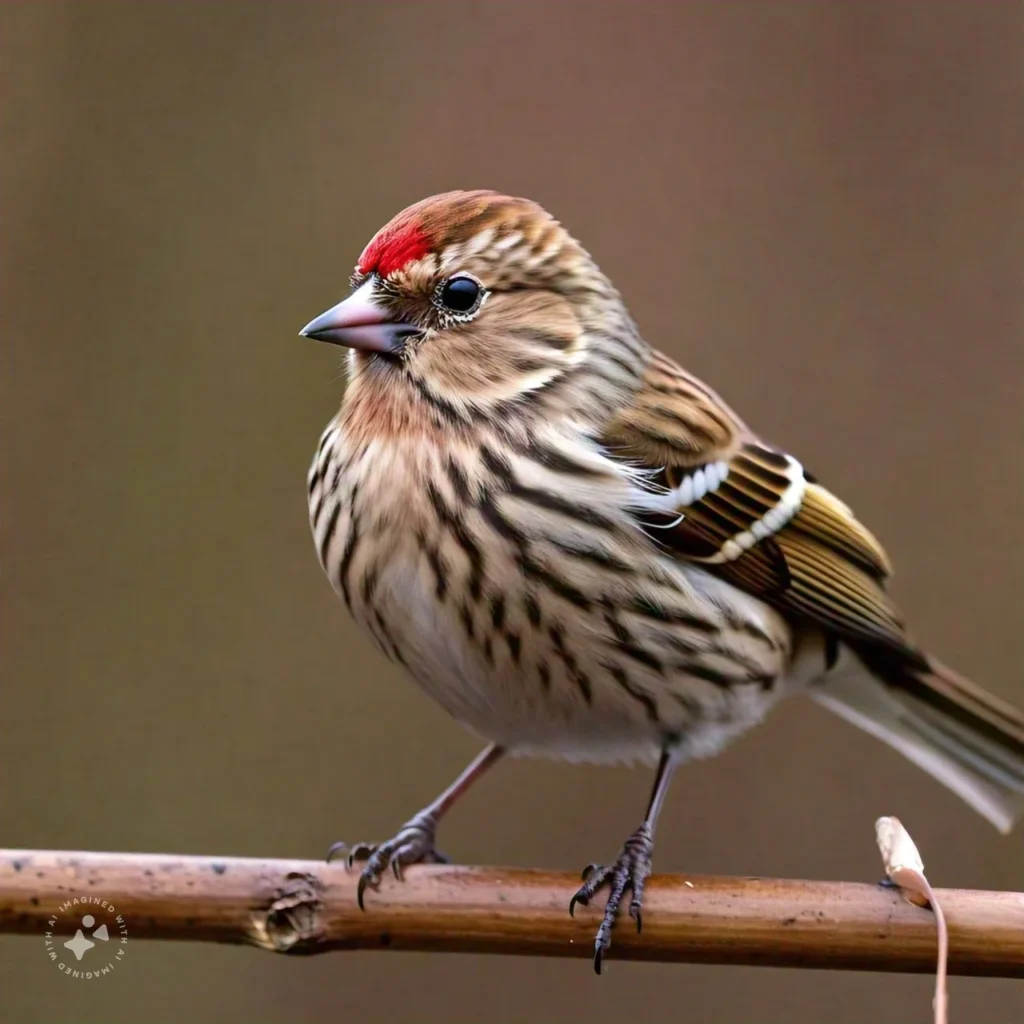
(392, 248)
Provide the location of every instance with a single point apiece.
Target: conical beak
(360, 322)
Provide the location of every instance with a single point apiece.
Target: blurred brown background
(817, 207)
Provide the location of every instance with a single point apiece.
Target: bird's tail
(966, 738)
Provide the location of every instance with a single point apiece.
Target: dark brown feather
(818, 565)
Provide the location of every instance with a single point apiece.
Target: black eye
(461, 294)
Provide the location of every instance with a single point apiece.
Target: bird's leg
(414, 843)
(630, 869)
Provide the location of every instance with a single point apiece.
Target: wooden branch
(292, 906)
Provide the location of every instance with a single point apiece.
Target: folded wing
(751, 514)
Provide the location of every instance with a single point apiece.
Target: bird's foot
(414, 844)
(629, 871)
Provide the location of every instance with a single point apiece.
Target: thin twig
(310, 907)
(905, 868)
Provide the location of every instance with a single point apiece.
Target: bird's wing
(751, 513)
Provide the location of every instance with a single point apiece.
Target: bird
(580, 551)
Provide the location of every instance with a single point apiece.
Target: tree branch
(292, 906)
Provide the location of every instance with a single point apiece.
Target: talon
(365, 880)
(577, 898)
(628, 872)
(336, 850)
(360, 851)
(414, 844)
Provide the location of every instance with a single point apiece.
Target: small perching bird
(580, 551)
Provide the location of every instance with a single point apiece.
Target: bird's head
(475, 305)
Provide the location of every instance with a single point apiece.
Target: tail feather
(969, 740)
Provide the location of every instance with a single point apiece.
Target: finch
(580, 551)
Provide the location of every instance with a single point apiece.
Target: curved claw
(588, 871)
(395, 863)
(413, 844)
(361, 851)
(577, 898)
(367, 878)
(336, 850)
(628, 872)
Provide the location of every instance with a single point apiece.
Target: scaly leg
(630, 869)
(414, 843)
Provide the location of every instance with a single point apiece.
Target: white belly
(505, 699)
(550, 633)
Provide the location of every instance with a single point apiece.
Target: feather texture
(753, 516)
(579, 550)
(486, 504)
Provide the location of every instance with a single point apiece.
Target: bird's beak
(360, 322)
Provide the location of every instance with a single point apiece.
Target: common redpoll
(581, 551)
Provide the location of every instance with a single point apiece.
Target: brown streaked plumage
(580, 551)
